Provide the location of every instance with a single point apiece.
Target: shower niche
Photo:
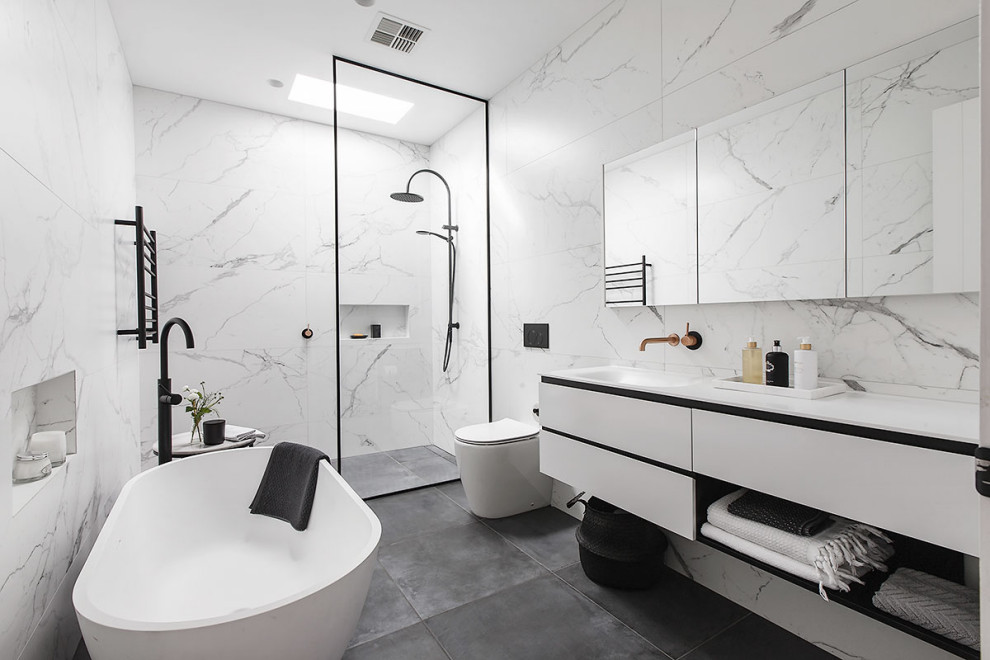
(46, 406)
(412, 257)
(393, 321)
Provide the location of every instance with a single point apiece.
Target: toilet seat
(502, 432)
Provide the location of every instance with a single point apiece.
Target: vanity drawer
(645, 428)
(918, 492)
(658, 495)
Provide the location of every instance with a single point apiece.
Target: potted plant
(200, 404)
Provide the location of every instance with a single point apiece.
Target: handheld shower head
(406, 197)
(423, 232)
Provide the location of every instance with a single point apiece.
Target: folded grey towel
(288, 486)
(782, 514)
(949, 609)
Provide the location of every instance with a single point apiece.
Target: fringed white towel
(944, 607)
(837, 553)
(800, 569)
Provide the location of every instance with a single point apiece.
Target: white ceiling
(227, 50)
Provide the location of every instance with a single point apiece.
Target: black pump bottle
(777, 367)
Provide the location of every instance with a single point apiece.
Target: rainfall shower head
(406, 197)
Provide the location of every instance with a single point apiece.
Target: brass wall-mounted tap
(691, 339)
(672, 339)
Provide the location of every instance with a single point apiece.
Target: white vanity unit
(663, 446)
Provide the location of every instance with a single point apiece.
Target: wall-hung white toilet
(500, 468)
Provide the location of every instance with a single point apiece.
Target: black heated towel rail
(622, 277)
(146, 251)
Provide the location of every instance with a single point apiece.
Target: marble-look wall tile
(189, 139)
(606, 69)
(700, 39)
(225, 227)
(555, 202)
(244, 208)
(839, 39)
(263, 388)
(67, 162)
(385, 384)
(460, 395)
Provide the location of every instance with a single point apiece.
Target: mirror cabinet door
(913, 168)
(771, 187)
(864, 183)
(651, 217)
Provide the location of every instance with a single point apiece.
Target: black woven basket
(618, 549)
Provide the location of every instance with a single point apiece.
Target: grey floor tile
(81, 652)
(542, 619)
(455, 491)
(676, 615)
(442, 453)
(454, 566)
(385, 611)
(412, 643)
(546, 535)
(376, 474)
(426, 464)
(755, 637)
(408, 514)
(410, 454)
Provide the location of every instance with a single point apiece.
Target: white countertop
(931, 418)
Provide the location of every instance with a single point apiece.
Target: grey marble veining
(66, 155)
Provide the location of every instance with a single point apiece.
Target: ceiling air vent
(395, 33)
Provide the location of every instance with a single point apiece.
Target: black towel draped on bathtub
(288, 486)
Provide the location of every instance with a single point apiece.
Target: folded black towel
(288, 486)
(787, 516)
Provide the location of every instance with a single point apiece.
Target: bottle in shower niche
(805, 366)
(752, 363)
(777, 367)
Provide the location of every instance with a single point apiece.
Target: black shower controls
(536, 335)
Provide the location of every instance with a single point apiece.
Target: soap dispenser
(777, 367)
(805, 366)
(752, 367)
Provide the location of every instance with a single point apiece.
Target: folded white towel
(845, 546)
(839, 581)
(238, 433)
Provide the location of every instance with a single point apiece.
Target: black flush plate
(536, 335)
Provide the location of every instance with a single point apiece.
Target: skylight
(352, 101)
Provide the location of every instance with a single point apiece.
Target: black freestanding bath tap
(166, 399)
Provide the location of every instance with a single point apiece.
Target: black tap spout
(190, 342)
(166, 399)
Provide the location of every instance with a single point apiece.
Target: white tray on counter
(825, 388)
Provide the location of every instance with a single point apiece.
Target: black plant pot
(214, 431)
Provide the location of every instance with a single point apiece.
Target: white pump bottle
(805, 366)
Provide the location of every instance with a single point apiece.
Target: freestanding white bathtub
(182, 570)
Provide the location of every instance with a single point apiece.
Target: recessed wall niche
(46, 406)
(393, 319)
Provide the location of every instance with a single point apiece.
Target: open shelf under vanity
(908, 553)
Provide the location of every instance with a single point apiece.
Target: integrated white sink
(628, 377)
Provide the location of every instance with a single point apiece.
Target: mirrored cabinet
(771, 199)
(651, 233)
(913, 169)
(863, 183)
